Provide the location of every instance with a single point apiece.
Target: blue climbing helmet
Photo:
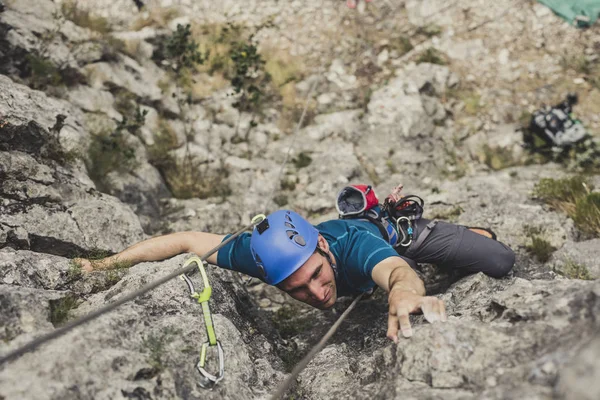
(281, 243)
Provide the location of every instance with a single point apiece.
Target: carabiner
(211, 380)
(405, 236)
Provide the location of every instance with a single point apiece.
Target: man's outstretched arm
(406, 295)
(159, 248)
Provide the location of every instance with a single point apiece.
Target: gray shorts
(456, 247)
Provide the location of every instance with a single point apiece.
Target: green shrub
(432, 56)
(540, 248)
(290, 322)
(498, 158)
(281, 200)
(303, 160)
(43, 72)
(249, 78)
(155, 345)
(188, 178)
(574, 271)
(181, 52)
(587, 214)
(109, 152)
(74, 272)
(573, 196)
(558, 191)
(429, 30)
(288, 184)
(60, 308)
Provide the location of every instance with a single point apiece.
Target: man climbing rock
(343, 257)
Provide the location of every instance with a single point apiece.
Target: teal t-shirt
(357, 246)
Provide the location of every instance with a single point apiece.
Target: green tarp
(581, 13)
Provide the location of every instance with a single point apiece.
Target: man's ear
(323, 244)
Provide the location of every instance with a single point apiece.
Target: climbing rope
(203, 297)
(109, 307)
(285, 385)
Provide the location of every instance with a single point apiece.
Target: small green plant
(587, 214)
(182, 50)
(540, 248)
(576, 198)
(578, 63)
(574, 271)
(302, 160)
(429, 30)
(288, 184)
(249, 77)
(96, 254)
(391, 166)
(113, 276)
(74, 272)
(155, 345)
(43, 72)
(281, 200)
(134, 123)
(402, 45)
(189, 178)
(290, 322)
(432, 56)
(498, 158)
(562, 193)
(60, 308)
(110, 152)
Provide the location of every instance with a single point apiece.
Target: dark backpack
(554, 128)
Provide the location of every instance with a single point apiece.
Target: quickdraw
(209, 380)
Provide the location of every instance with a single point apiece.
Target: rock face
(146, 348)
(47, 209)
(429, 97)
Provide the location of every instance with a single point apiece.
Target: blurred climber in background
(354, 3)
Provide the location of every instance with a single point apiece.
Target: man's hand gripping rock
(403, 302)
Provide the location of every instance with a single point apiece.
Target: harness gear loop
(202, 298)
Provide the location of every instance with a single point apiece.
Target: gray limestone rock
(582, 256)
(150, 345)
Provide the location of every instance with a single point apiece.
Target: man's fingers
(404, 321)
(443, 311)
(392, 332)
(427, 309)
(433, 309)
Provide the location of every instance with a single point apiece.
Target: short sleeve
(236, 256)
(364, 251)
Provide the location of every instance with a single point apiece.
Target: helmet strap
(329, 259)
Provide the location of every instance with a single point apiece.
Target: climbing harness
(394, 218)
(404, 212)
(202, 298)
